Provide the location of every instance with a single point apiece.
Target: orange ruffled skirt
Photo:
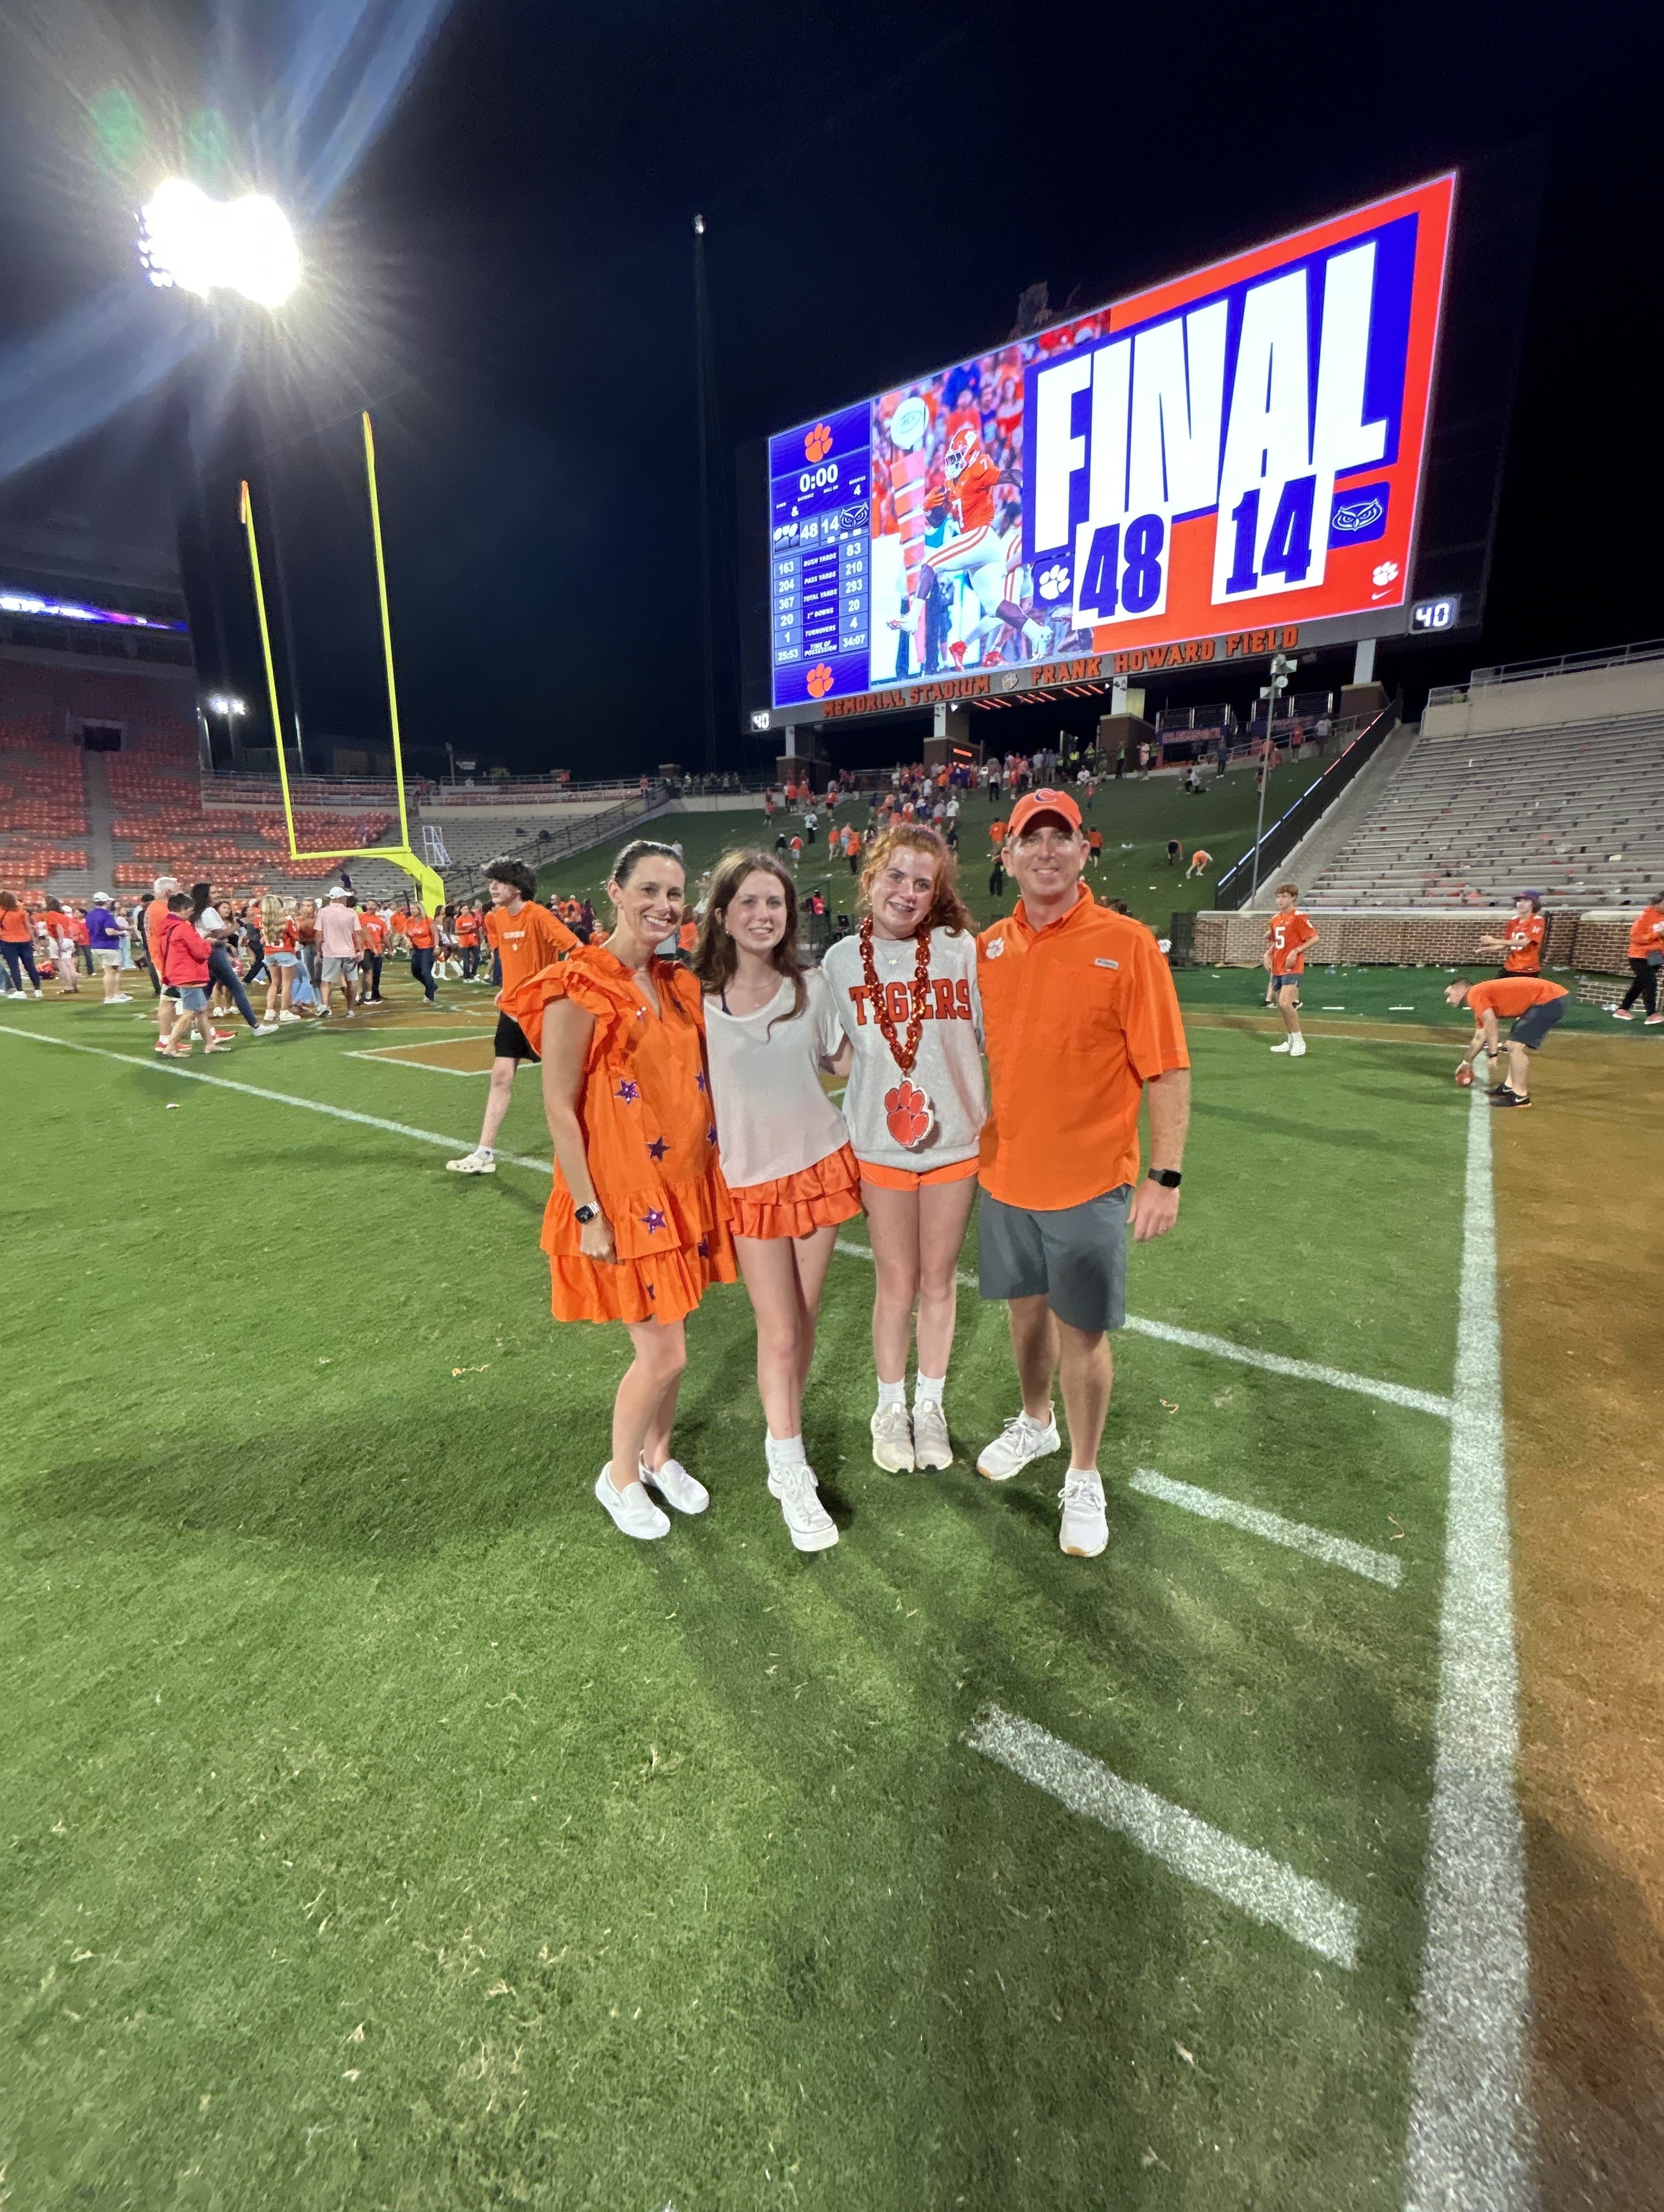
(816, 1197)
(691, 1247)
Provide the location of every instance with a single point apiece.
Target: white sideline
(153, 1060)
(1255, 1521)
(1253, 1881)
(1472, 2138)
(1273, 1362)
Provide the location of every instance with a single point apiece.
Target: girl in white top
(768, 1033)
(904, 989)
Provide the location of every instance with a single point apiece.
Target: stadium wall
(1372, 936)
(1545, 701)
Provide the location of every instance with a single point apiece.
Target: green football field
(385, 1831)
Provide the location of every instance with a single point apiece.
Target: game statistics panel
(819, 540)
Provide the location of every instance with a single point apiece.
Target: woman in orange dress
(636, 1226)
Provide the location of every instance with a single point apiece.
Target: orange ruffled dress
(651, 1140)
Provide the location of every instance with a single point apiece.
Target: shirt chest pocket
(1077, 1005)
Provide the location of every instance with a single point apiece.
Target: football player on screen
(984, 545)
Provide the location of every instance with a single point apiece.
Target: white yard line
(154, 1062)
(1273, 1362)
(394, 1055)
(1254, 1521)
(1253, 1881)
(1471, 2135)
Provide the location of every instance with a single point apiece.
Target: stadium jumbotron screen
(1178, 477)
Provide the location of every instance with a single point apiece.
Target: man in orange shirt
(466, 925)
(1288, 936)
(1082, 1024)
(1646, 956)
(996, 833)
(1521, 943)
(418, 932)
(526, 939)
(375, 927)
(1535, 1006)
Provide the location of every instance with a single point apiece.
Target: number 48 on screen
(1124, 575)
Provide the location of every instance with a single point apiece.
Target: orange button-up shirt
(1077, 1018)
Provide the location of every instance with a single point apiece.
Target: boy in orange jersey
(1535, 1006)
(1521, 942)
(1288, 936)
(526, 937)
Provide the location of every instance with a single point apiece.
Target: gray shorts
(192, 997)
(1075, 1258)
(340, 968)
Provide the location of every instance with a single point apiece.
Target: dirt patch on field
(454, 1056)
(1580, 1188)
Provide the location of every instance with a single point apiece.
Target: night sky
(507, 282)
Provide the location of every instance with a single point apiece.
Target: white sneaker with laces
(1297, 1047)
(931, 1444)
(473, 1163)
(1287, 1045)
(893, 1440)
(264, 1029)
(633, 1511)
(1020, 1440)
(808, 1524)
(285, 1015)
(676, 1486)
(1083, 1531)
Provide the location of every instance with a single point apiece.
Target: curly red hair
(948, 909)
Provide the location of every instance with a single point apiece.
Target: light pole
(1282, 666)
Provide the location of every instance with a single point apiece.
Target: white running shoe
(1287, 1045)
(676, 1486)
(893, 1440)
(808, 1524)
(632, 1511)
(1083, 1531)
(286, 1016)
(121, 998)
(1020, 1440)
(264, 1029)
(473, 1163)
(1297, 1047)
(931, 1447)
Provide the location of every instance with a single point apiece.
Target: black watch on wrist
(585, 1214)
(1169, 1178)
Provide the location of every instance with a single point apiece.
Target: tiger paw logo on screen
(817, 444)
(819, 680)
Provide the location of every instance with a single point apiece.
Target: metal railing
(1239, 883)
(1540, 671)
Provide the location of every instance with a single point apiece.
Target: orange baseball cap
(1042, 802)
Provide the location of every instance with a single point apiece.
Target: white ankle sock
(927, 1389)
(486, 1151)
(892, 1394)
(785, 1451)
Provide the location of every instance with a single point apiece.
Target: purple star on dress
(658, 1148)
(710, 1134)
(653, 1221)
(704, 1247)
(699, 1083)
(630, 1092)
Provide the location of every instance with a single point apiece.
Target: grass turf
(385, 1831)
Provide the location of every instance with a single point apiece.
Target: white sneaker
(931, 1447)
(122, 999)
(1287, 1045)
(808, 1524)
(473, 1163)
(323, 1013)
(264, 1029)
(286, 1016)
(1020, 1440)
(676, 1486)
(1297, 1047)
(893, 1440)
(632, 1511)
(1084, 1531)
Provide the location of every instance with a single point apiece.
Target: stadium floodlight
(205, 246)
(222, 702)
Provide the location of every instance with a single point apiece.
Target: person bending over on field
(1535, 1006)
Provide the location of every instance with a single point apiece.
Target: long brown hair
(717, 957)
(948, 909)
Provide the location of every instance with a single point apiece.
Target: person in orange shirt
(1521, 943)
(418, 932)
(526, 937)
(17, 946)
(996, 833)
(156, 913)
(1200, 862)
(1288, 936)
(636, 1226)
(1095, 839)
(466, 925)
(1535, 1006)
(1081, 1025)
(1646, 956)
(374, 924)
